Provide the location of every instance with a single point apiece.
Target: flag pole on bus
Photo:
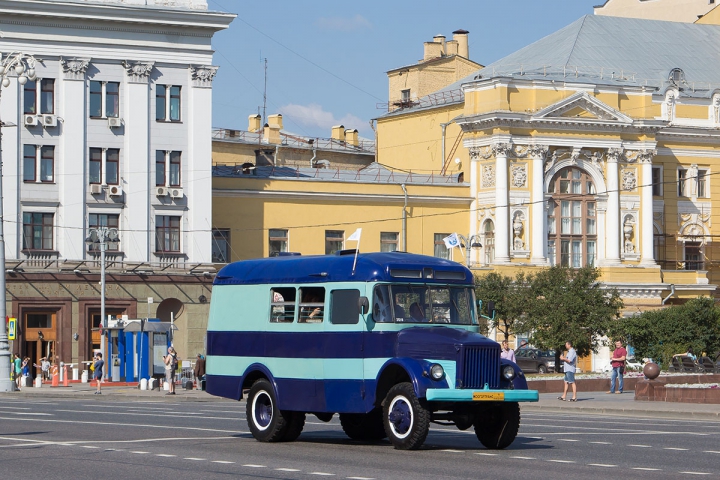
(355, 237)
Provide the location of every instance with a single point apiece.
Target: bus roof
(370, 267)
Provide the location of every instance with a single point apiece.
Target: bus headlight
(436, 371)
(508, 372)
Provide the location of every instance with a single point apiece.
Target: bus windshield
(424, 304)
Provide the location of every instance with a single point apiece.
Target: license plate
(488, 396)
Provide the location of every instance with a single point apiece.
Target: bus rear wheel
(364, 426)
(266, 421)
(406, 421)
(496, 426)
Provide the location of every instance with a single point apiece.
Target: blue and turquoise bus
(389, 341)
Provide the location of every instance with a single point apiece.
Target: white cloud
(314, 116)
(357, 22)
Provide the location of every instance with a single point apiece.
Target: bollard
(84, 377)
(66, 380)
(38, 381)
(75, 374)
(55, 376)
(143, 384)
(166, 386)
(152, 384)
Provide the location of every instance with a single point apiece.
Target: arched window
(489, 241)
(572, 219)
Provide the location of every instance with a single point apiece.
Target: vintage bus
(389, 341)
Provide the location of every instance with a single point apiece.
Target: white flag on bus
(355, 237)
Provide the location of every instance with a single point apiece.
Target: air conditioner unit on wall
(115, 190)
(95, 189)
(49, 120)
(176, 192)
(30, 120)
(161, 191)
(114, 122)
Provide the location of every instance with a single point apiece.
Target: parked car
(535, 360)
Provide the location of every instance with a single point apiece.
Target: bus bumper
(479, 395)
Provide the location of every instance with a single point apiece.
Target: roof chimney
(351, 137)
(461, 37)
(254, 123)
(275, 121)
(338, 133)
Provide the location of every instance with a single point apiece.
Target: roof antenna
(264, 116)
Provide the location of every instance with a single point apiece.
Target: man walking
(570, 363)
(618, 367)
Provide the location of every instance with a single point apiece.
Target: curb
(625, 412)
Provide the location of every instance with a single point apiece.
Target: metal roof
(604, 50)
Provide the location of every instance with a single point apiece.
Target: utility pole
(264, 115)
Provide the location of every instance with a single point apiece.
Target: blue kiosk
(135, 349)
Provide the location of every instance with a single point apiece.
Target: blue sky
(327, 59)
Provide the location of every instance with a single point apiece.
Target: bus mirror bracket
(363, 305)
(491, 310)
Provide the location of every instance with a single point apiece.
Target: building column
(612, 218)
(502, 200)
(647, 248)
(539, 217)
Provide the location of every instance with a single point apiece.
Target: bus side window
(381, 311)
(282, 306)
(344, 307)
(312, 304)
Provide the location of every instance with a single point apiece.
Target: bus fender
(254, 372)
(403, 369)
(519, 382)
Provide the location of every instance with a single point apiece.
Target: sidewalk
(625, 404)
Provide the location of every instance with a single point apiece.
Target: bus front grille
(480, 366)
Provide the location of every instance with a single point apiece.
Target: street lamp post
(24, 67)
(100, 237)
(471, 241)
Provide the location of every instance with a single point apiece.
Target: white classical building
(114, 132)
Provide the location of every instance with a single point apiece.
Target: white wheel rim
(266, 395)
(396, 400)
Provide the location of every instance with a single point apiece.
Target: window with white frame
(104, 168)
(657, 181)
(39, 96)
(167, 168)
(221, 245)
(104, 99)
(38, 230)
(38, 159)
(167, 234)
(440, 250)
(167, 103)
(703, 181)
(489, 241)
(693, 182)
(277, 241)
(388, 241)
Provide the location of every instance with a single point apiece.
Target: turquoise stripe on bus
(300, 368)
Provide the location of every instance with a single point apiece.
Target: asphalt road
(83, 438)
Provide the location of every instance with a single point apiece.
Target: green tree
(568, 305)
(658, 334)
(510, 297)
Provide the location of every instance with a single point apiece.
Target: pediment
(582, 107)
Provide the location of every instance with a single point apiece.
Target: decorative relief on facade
(202, 75)
(519, 175)
(629, 179)
(138, 71)
(714, 110)
(74, 68)
(614, 154)
(694, 224)
(517, 226)
(640, 156)
(594, 159)
(503, 149)
(668, 106)
(488, 176)
(536, 151)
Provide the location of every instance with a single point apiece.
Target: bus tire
(497, 425)
(266, 422)
(406, 421)
(295, 426)
(364, 426)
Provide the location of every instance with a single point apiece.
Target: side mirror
(491, 309)
(363, 305)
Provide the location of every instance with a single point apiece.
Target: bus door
(344, 352)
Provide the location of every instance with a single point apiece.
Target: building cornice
(491, 120)
(355, 197)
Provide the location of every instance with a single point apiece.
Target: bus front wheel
(407, 422)
(497, 425)
(267, 423)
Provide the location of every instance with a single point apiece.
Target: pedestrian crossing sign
(12, 328)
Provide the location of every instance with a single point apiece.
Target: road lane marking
(486, 454)
(710, 451)
(194, 459)
(164, 455)
(561, 461)
(601, 443)
(287, 469)
(88, 446)
(128, 425)
(695, 473)
(640, 446)
(676, 448)
(360, 478)
(646, 469)
(567, 440)
(322, 473)
(451, 451)
(605, 465)
(252, 465)
(33, 413)
(221, 461)
(137, 452)
(522, 458)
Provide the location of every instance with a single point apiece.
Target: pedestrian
(171, 362)
(199, 371)
(569, 367)
(689, 353)
(98, 365)
(25, 370)
(506, 353)
(44, 368)
(617, 362)
(18, 370)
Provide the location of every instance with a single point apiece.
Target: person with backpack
(171, 362)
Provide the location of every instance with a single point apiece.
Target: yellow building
(669, 10)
